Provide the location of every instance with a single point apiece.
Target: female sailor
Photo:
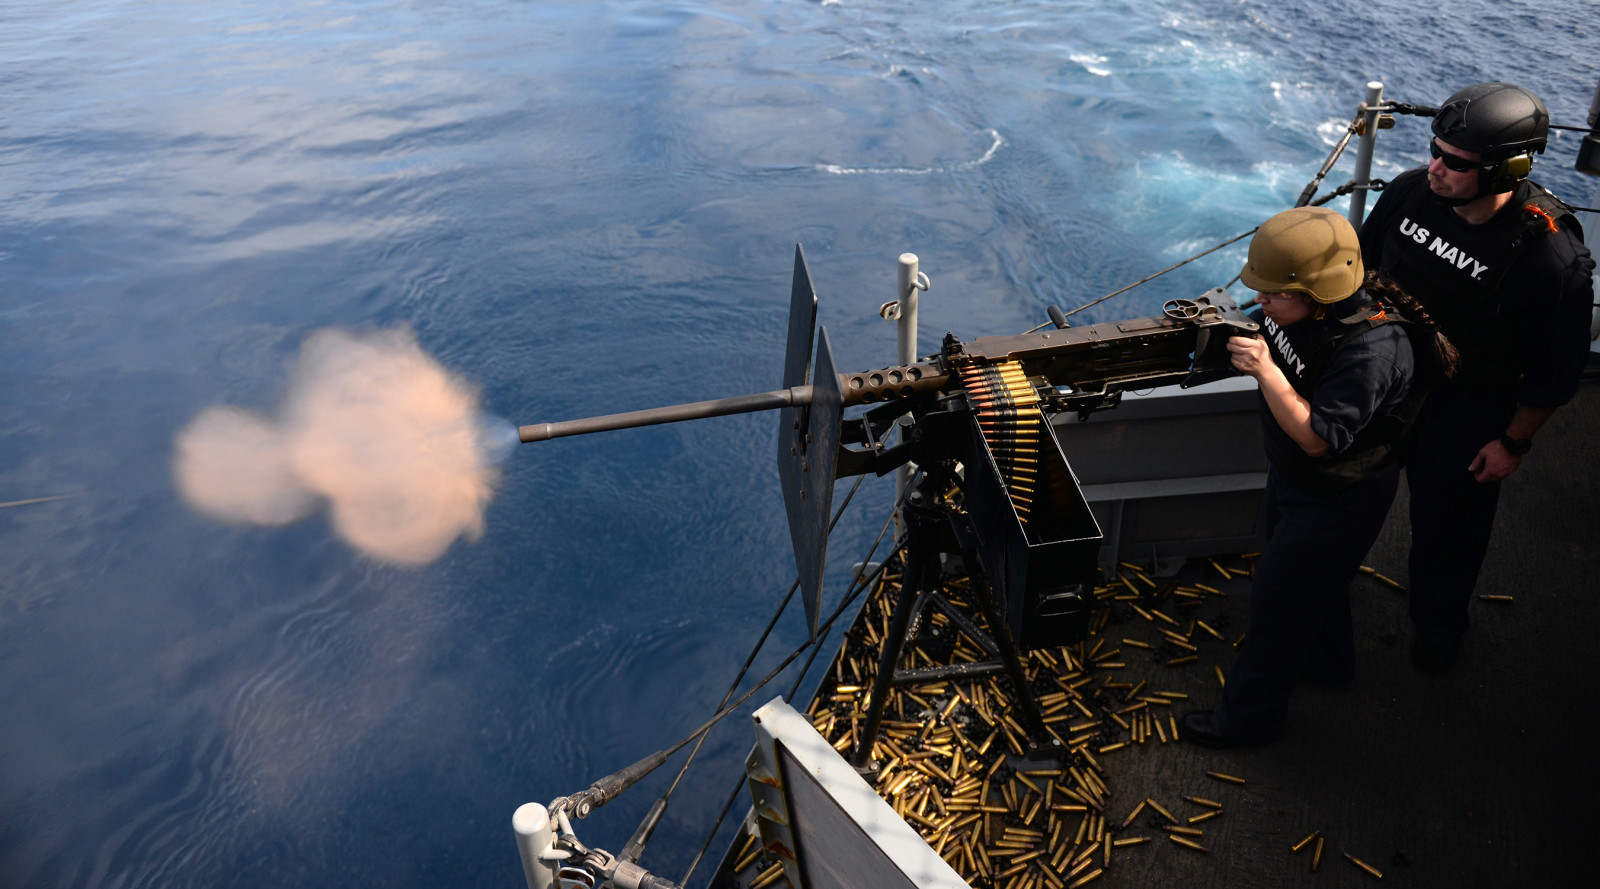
(1342, 369)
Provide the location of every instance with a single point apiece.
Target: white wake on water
(994, 147)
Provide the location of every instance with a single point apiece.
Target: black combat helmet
(1504, 123)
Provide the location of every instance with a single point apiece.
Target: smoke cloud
(373, 427)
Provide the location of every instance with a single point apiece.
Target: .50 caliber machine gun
(993, 482)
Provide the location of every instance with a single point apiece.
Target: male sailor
(1500, 263)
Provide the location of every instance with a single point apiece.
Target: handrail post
(906, 287)
(531, 823)
(1369, 136)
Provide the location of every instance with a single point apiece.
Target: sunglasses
(1454, 162)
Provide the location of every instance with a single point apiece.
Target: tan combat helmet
(1310, 250)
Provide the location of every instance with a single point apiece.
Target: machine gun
(994, 484)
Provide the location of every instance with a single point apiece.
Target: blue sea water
(581, 208)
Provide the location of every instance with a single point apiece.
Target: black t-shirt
(1532, 332)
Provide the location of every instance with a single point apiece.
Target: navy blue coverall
(1320, 517)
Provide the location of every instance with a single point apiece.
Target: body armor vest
(1459, 284)
(1304, 357)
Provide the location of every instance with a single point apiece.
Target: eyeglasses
(1454, 161)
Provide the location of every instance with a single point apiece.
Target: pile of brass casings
(949, 755)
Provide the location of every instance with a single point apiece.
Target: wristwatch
(1517, 446)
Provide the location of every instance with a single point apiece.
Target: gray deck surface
(1486, 776)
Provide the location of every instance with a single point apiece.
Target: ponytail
(1383, 289)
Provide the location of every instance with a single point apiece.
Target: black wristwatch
(1517, 446)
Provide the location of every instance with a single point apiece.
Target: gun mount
(994, 486)
(981, 408)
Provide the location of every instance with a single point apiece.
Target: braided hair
(1446, 360)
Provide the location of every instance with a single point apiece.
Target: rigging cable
(1149, 278)
(1333, 158)
(861, 583)
(1305, 198)
(584, 802)
(1305, 195)
(641, 835)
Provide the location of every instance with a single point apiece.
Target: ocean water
(575, 208)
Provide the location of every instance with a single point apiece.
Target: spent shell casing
(1316, 855)
(1186, 831)
(1387, 581)
(747, 858)
(1130, 841)
(1489, 598)
(1083, 880)
(1027, 856)
(1303, 843)
(1134, 814)
(1204, 816)
(1378, 874)
(1185, 841)
(768, 877)
(1208, 803)
(1223, 776)
(1164, 813)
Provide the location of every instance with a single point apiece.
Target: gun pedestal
(936, 525)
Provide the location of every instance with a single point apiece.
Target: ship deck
(1483, 776)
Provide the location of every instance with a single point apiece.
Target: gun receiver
(977, 417)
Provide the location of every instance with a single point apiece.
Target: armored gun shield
(808, 441)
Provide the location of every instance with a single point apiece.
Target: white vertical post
(906, 286)
(531, 822)
(1369, 136)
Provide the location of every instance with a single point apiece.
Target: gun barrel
(720, 407)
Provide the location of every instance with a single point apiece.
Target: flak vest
(1303, 355)
(1459, 283)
